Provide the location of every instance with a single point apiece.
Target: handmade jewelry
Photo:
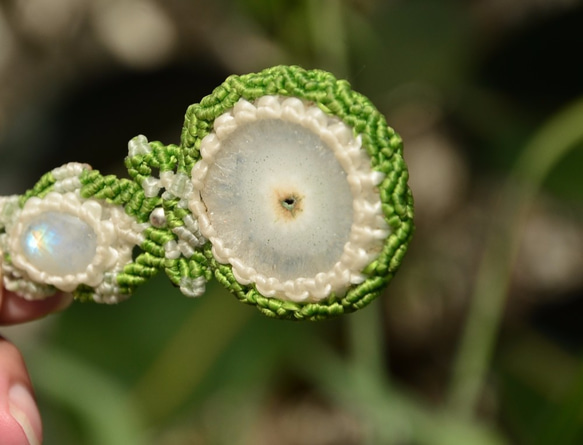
(288, 187)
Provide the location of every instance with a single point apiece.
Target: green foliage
(163, 369)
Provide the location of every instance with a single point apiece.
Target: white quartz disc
(286, 196)
(279, 199)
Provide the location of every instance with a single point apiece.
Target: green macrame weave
(155, 228)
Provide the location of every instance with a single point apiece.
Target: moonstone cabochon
(382, 144)
(59, 243)
(67, 233)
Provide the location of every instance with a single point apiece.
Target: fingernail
(23, 409)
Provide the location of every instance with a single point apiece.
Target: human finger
(15, 309)
(20, 422)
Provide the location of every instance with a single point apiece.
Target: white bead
(158, 217)
(59, 243)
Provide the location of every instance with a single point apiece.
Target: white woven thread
(192, 287)
(139, 146)
(67, 177)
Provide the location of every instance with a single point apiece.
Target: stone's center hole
(288, 204)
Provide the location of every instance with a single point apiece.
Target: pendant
(287, 186)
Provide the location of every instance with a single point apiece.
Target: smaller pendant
(59, 243)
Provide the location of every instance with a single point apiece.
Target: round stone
(279, 199)
(58, 243)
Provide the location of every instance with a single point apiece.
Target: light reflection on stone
(59, 243)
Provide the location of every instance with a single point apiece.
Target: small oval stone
(59, 243)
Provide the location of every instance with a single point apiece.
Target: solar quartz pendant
(288, 187)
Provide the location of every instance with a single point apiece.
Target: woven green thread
(40, 189)
(175, 269)
(159, 159)
(84, 293)
(198, 266)
(157, 238)
(130, 279)
(149, 261)
(138, 269)
(355, 299)
(117, 191)
(174, 214)
(162, 158)
(130, 196)
(383, 145)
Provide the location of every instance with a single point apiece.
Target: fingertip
(12, 432)
(20, 421)
(24, 411)
(15, 309)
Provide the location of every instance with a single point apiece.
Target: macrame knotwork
(288, 187)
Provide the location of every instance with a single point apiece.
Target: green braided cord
(141, 167)
(150, 255)
(174, 214)
(197, 265)
(146, 264)
(131, 196)
(84, 293)
(163, 158)
(40, 189)
(119, 192)
(194, 267)
(383, 145)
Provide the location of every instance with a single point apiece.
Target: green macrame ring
(383, 145)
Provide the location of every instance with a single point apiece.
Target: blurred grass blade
(188, 356)
(366, 337)
(548, 146)
(327, 30)
(564, 425)
(390, 416)
(106, 417)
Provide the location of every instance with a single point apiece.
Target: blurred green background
(478, 340)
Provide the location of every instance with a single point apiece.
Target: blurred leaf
(565, 423)
(124, 338)
(417, 42)
(96, 398)
(392, 417)
(566, 180)
(561, 134)
(188, 355)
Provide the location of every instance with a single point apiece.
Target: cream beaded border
(369, 229)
